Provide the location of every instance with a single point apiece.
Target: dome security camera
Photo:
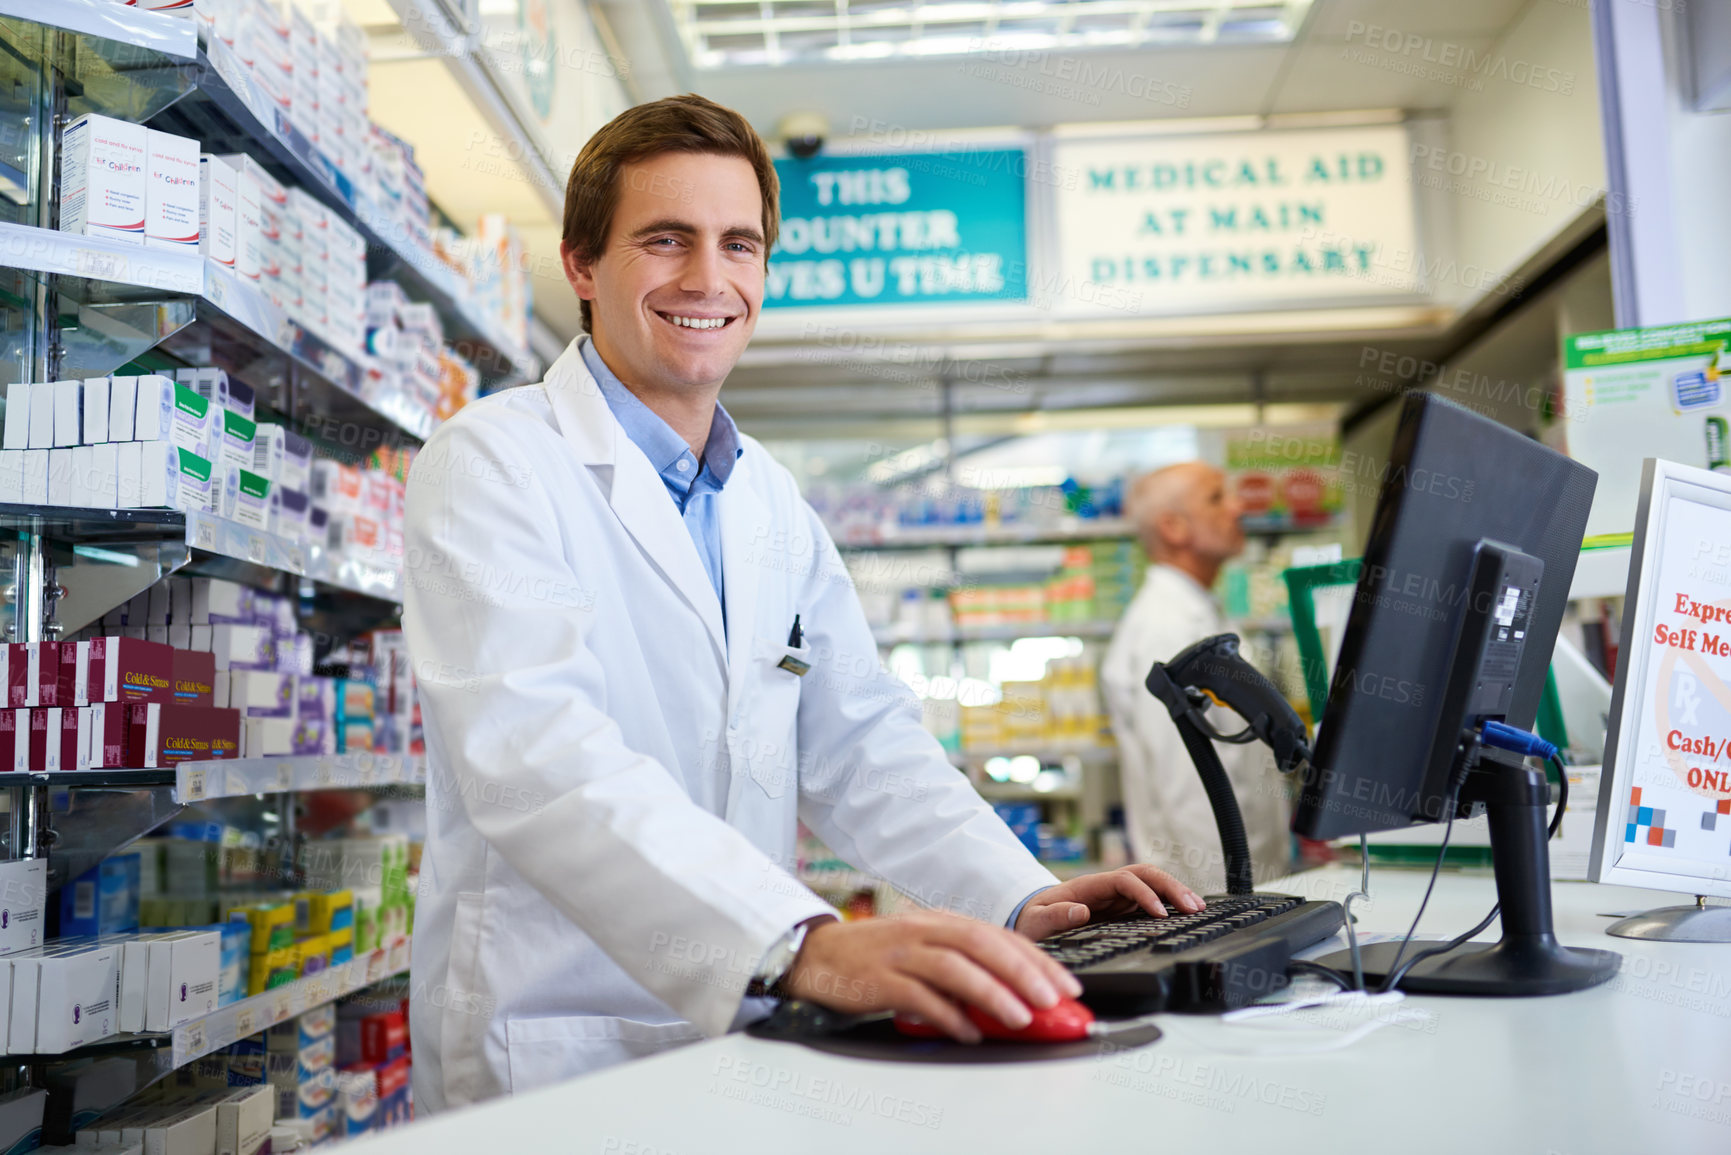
(803, 133)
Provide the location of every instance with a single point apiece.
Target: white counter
(1641, 1064)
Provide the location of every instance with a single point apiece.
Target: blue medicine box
(102, 900)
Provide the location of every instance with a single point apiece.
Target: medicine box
(249, 235)
(122, 408)
(185, 969)
(96, 410)
(63, 996)
(265, 737)
(17, 431)
(188, 1130)
(21, 1113)
(248, 498)
(193, 422)
(153, 408)
(103, 900)
(171, 198)
(217, 210)
(243, 1121)
(241, 398)
(102, 733)
(267, 455)
(89, 1089)
(242, 647)
(210, 384)
(23, 896)
(194, 677)
(133, 670)
(102, 178)
(12, 475)
(164, 734)
(216, 601)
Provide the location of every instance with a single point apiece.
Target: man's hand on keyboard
(1111, 894)
(925, 964)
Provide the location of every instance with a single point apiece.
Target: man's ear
(1174, 529)
(580, 273)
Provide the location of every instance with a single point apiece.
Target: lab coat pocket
(769, 743)
(544, 1051)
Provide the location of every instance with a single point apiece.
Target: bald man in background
(1189, 526)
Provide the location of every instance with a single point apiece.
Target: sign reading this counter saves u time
(1184, 223)
(901, 229)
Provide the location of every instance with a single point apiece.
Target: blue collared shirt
(694, 488)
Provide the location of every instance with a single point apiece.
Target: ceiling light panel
(771, 33)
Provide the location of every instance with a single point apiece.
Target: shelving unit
(74, 306)
(238, 777)
(148, 66)
(1084, 792)
(1004, 633)
(102, 557)
(159, 1054)
(965, 536)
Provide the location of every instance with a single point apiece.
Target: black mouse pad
(878, 1039)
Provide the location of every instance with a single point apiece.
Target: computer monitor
(1664, 817)
(1464, 582)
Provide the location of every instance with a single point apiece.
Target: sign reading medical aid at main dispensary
(1630, 394)
(1162, 224)
(901, 229)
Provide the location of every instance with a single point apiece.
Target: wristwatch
(778, 960)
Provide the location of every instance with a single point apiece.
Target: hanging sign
(1180, 224)
(1630, 394)
(901, 229)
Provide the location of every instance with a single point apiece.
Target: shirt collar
(654, 436)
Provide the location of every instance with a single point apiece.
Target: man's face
(675, 294)
(1215, 528)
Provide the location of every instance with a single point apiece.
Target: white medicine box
(102, 178)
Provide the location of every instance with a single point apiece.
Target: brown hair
(688, 123)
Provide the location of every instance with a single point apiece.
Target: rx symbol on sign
(1686, 700)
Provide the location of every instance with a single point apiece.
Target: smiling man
(642, 664)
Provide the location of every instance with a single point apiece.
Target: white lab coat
(613, 780)
(1170, 821)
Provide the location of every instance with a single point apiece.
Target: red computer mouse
(1063, 1022)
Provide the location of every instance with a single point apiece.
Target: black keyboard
(1225, 956)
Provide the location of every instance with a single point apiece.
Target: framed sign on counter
(1664, 815)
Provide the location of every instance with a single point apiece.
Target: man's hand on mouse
(1110, 894)
(925, 964)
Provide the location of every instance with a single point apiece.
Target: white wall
(1532, 153)
(1674, 163)
(1701, 190)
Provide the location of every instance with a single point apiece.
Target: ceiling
(1303, 76)
(782, 387)
(788, 390)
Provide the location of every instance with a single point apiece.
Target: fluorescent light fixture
(771, 33)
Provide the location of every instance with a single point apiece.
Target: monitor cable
(1399, 970)
(1395, 972)
(1562, 795)
(1363, 892)
(1301, 967)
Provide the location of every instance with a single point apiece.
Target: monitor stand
(1698, 923)
(1528, 960)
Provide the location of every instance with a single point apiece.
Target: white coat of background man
(1188, 523)
(622, 725)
